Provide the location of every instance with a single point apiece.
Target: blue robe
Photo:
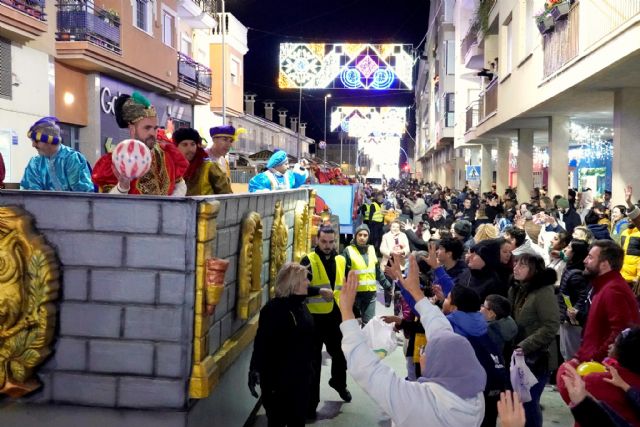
(289, 180)
(67, 170)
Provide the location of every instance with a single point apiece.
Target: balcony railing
(472, 116)
(601, 18)
(488, 101)
(562, 44)
(193, 74)
(207, 6)
(34, 8)
(79, 21)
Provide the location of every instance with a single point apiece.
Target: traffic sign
(473, 173)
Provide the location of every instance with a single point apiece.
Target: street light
(327, 96)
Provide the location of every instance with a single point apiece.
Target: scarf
(195, 163)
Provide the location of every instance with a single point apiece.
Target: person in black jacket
(484, 258)
(281, 362)
(574, 286)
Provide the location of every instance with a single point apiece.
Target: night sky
(272, 22)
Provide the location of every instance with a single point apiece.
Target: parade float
(138, 310)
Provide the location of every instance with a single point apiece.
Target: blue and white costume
(67, 170)
(271, 179)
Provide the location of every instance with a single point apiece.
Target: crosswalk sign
(473, 173)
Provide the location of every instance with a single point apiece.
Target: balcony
(562, 44)
(198, 13)
(25, 19)
(194, 79)
(488, 101)
(471, 116)
(81, 22)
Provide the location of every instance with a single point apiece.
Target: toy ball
(587, 368)
(131, 158)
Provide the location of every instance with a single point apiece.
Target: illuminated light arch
(346, 66)
(383, 78)
(351, 78)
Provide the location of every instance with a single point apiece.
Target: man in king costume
(168, 165)
(278, 176)
(56, 167)
(203, 177)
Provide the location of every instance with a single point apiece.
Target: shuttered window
(5, 68)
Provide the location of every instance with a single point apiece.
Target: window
(5, 69)
(185, 45)
(509, 45)
(167, 28)
(70, 135)
(528, 29)
(142, 15)
(450, 61)
(234, 70)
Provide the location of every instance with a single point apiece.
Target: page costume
(66, 170)
(271, 179)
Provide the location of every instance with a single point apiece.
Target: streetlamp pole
(224, 72)
(299, 121)
(327, 96)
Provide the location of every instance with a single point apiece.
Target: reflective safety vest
(317, 304)
(377, 215)
(367, 209)
(366, 273)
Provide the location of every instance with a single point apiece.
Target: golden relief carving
(300, 231)
(28, 286)
(278, 249)
(203, 371)
(250, 267)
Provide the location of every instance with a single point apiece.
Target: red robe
(167, 168)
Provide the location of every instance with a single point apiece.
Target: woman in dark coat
(574, 286)
(283, 350)
(535, 310)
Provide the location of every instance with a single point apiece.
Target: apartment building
(529, 82)
(72, 58)
(435, 99)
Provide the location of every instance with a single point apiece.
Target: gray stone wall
(125, 314)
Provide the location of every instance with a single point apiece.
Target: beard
(590, 274)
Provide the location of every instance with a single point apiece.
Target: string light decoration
(376, 122)
(589, 142)
(346, 66)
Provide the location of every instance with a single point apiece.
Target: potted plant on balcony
(559, 9)
(111, 16)
(544, 21)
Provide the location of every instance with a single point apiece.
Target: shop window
(70, 136)
(5, 69)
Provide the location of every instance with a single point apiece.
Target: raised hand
(431, 258)
(510, 410)
(616, 379)
(348, 296)
(628, 192)
(574, 383)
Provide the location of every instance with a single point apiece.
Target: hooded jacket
(502, 331)
(535, 310)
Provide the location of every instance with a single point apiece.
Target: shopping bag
(381, 337)
(522, 379)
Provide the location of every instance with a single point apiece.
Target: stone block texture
(125, 333)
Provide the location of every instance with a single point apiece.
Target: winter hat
(562, 203)
(489, 251)
(462, 228)
(362, 227)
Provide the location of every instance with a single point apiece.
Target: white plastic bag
(522, 379)
(381, 337)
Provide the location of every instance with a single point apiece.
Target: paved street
(362, 411)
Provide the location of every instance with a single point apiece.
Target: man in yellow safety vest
(362, 258)
(375, 216)
(327, 273)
